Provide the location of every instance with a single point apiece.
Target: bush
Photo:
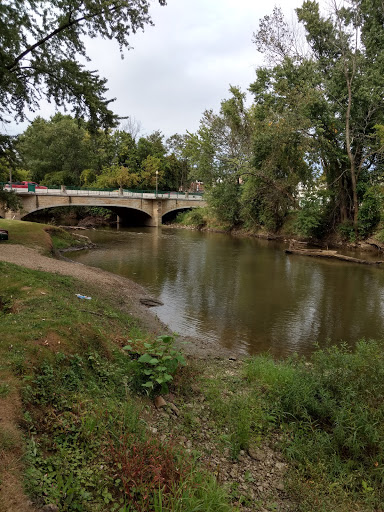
(311, 215)
(195, 218)
(369, 211)
(333, 411)
(158, 364)
(347, 231)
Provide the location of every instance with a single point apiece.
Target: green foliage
(63, 151)
(56, 151)
(199, 492)
(4, 389)
(195, 217)
(263, 205)
(9, 200)
(370, 211)
(224, 199)
(347, 231)
(331, 414)
(311, 215)
(221, 148)
(158, 364)
(115, 176)
(314, 108)
(238, 417)
(43, 51)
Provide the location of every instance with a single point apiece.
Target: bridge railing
(134, 194)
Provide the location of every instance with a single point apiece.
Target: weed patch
(145, 468)
(332, 414)
(158, 364)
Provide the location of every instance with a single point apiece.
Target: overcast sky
(184, 64)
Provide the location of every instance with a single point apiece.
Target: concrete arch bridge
(147, 208)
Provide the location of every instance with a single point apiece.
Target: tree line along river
(245, 294)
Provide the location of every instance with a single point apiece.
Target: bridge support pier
(157, 211)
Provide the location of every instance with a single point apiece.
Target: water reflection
(245, 293)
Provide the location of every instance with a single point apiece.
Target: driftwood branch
(331, 255)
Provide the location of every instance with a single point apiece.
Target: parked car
(3, 234)
(24, 185)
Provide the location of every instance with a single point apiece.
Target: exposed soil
(12, 496)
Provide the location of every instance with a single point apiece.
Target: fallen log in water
(331, 255)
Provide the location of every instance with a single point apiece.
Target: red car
(23, 185)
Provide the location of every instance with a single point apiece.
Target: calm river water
(247, 294)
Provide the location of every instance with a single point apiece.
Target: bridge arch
(172, 213)
(129, 215)
(150, 206)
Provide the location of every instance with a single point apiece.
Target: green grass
(40, 236)
(82, 419)
(4, 389)
(30, 234)
(331, 414)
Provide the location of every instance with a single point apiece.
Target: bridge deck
(112, 193)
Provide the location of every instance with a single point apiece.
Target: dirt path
(12, 497)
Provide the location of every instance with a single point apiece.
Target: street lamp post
(157, 179)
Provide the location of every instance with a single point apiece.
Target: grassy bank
(80, 429)
(43, 237)
(205, 219)
(87, 446)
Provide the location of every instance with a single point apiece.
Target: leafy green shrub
(66, 479)
(194, 217)
(158, 364)
(310, 216)
(347, 231)
(369, 211)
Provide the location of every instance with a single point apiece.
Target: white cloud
(184, 64)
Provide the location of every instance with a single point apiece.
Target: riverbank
(371, 245)
(59, 375)
(259, 435)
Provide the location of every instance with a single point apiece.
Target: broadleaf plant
(159, 363)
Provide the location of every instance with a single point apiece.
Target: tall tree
(178, 161)
(58, 147)
(351, 63)
(222, 147)
(343, 68)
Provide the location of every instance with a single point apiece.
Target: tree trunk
(349, 152)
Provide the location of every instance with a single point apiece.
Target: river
(244, 293)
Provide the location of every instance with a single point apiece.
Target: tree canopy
(316, 123)
(60, 151)
(42, 50)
